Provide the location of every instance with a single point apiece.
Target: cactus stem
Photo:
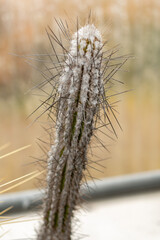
(80, 96)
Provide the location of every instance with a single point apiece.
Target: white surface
(132, 217)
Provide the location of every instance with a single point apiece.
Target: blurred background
(131, 23)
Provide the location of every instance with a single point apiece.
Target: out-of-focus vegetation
(131, 23)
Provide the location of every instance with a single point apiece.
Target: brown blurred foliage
(131, 23)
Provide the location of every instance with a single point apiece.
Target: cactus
(79, 100)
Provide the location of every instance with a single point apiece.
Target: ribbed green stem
(82, 85)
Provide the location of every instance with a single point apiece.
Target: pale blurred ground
(132, 24)
(129, 217)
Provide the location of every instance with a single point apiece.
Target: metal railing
(105, 188)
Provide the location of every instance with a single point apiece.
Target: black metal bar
(126, 184)
(105, 188)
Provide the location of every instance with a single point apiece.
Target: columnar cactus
(81, 94)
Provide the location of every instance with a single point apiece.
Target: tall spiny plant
(79, 95)
(80, 90)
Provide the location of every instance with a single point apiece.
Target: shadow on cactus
(80, 79)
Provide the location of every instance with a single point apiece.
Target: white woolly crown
(88, 39)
